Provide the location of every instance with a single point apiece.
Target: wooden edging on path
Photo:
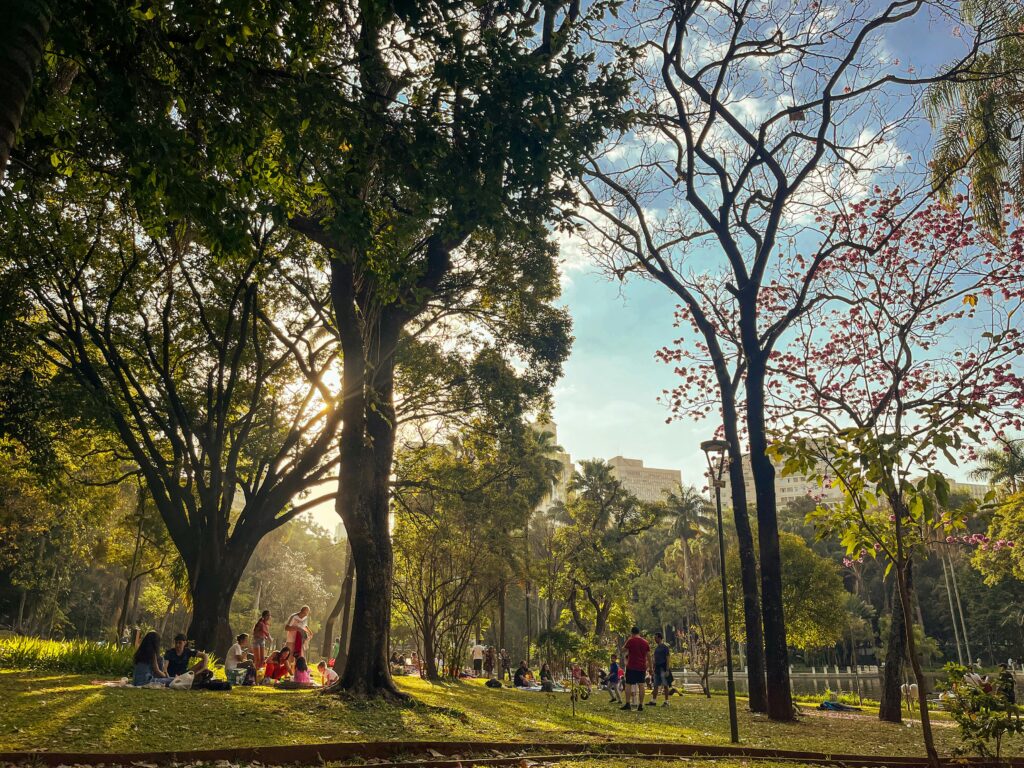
(448, 754)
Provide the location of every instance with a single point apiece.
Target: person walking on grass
(662, 677)
(614, 673)
(637, 653)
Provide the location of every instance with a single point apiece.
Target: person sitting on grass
(302, 671)
(238, 658)
(149, 667)
(579, 676)
(180, 656)
(273, 669)
(327, 675)
(523, 677)
(301, 678)
(547, 682)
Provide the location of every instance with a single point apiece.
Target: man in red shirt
(637, 653)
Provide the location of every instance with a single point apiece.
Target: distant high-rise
(798, 487)
(787, 489)
(977, 491)
(646, 483)
(560, 487)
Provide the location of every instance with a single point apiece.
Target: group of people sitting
(244, 665)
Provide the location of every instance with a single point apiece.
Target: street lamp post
(718, 449)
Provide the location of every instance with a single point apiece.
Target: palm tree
(1003, 465)
(981, 117)
(690, 515)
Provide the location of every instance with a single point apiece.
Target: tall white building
(976, 491)
(646, 483)
(797, 487)
(787, 489)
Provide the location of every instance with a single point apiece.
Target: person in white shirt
(296, 632)
(477, 652)
(327, 675)
(238, 656)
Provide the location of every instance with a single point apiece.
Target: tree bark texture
(756, 683)
(212, 584)
(890, 707)
(366, 452)
(24, 29)
(776, 653)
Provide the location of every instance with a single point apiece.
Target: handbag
(182, 682)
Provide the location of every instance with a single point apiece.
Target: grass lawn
(66, 713)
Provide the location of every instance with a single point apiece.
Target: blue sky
(607, 402)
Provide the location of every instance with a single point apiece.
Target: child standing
(613, 680)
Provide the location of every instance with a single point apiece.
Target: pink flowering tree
(914, 359)
(746, 117)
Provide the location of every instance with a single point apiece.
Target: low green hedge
(75, 656)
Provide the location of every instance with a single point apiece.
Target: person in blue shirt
(613, 680)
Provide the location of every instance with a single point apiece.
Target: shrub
(983, 714)
(74, 656)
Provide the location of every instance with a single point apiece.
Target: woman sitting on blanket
(278, 666)
(149, 667)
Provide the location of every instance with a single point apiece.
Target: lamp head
(714, 446)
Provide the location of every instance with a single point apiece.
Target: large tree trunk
(24, 28)
(429, 659)
(756, 683)
(367, 671)
(891, 702)
(212, 584)
(367, 451)
(776, 653)
(19, 626)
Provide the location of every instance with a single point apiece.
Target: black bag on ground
(493, 683)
